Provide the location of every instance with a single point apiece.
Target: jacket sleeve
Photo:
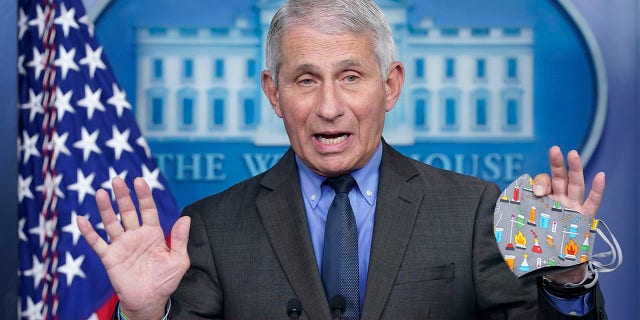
(548, 311)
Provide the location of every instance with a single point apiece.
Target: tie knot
(341, 184)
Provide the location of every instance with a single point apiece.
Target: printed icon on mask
(537, 235)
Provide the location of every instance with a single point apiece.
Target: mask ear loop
(615, 252)
(591, 274)
(594, 267)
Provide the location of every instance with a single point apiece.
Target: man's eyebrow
(312, 68)
(349, 63)
(304, 68)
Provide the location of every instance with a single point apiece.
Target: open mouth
(332, 138)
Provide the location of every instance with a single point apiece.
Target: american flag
(76, 132)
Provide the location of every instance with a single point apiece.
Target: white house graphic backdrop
(490, 85)
(464, 83)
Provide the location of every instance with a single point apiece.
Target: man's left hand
(568, 188)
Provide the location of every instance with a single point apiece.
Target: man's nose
(329, 105)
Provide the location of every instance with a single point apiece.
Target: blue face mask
(538, 236)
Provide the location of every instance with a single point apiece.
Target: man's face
(332, 98)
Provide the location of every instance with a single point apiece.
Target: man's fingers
(592, 203)
(180, 235)
(569, 186)
(575, 188)
(179, 239)
(559, 177)
(111, 224)
(128, 212)
(91, 236)
(542, 185)
(148, 209)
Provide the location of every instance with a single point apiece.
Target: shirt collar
(366, 177)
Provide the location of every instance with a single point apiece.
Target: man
(425, 246)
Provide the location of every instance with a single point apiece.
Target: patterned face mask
(538, 236)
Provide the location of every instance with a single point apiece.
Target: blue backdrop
(8, 164)
(616, 27)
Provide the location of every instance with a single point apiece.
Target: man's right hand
(143, 270)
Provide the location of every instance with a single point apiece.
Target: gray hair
(332, 17)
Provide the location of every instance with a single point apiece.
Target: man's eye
(351, 78)
(306, 81)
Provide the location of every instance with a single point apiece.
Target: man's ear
(270, 89)
(393, 84)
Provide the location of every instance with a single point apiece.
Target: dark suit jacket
(433, 252)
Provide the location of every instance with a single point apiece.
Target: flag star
(113, 174)
(119, 100)
(63, 103)
(72, 228)
(34, 105)
(37, 63)
(38, 21)
(39, 230)
(29, 146)
(59, 145)
(65, 61)
(38, 271)
(88, 143)
(119, 142)
(91, 101)
(21, 235)
(143, 143)
(33, 310)
(83, 185)
(21, 69)
(92, 59)
(22, 24)
(87, 22)
(24, 188)
(50, 227)
(44, 229)
(66, 19)
(50, 187)
(151, 177)
(71, 267)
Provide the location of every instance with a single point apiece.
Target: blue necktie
(340, 273)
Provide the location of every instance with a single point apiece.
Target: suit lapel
(399, 198)
(283, 215)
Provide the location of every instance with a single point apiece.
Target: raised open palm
(142, 268)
